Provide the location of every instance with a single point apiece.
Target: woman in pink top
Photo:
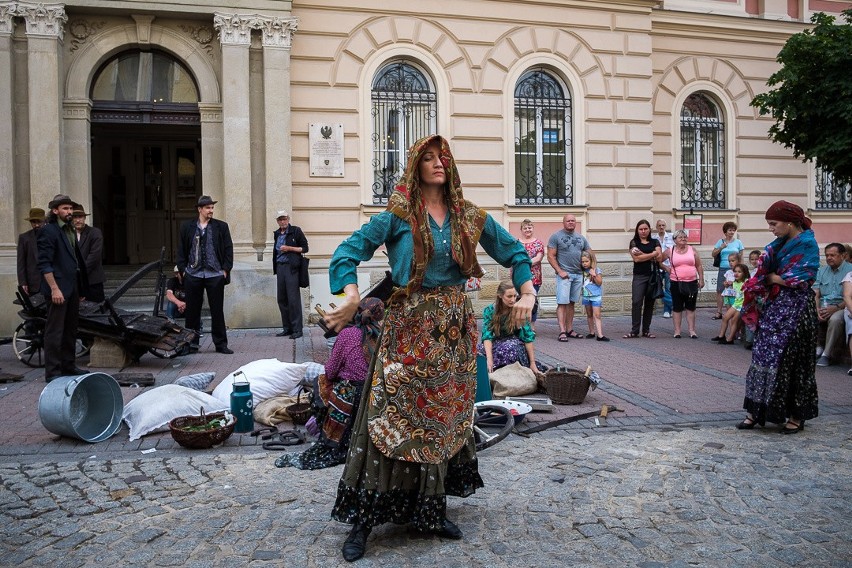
(534, 248)
(687, 276)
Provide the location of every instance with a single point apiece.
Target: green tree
(812, 99)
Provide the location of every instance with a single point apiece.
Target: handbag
(304, 277)
(656, 284)
(717, 260)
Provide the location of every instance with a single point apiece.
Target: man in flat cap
(63, 276)
(205, 256)
(290, 245)
(29, 277)
(90, 240)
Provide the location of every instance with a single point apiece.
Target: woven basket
(299, 412)
(567, 386)
(200, 439)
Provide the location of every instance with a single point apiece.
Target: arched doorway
(146, 153)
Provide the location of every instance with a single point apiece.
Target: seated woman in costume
(339, 389)
(502, 342)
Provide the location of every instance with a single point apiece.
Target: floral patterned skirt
(780, 383)
(427, 347)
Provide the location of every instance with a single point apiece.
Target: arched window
(702, 154)
(404, 109)
(831, 194)
(543, 159)
(145, 76)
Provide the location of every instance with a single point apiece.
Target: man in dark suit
(63, 276)
(29, 276)
(205, 256)
(90, 240)
(290, 245)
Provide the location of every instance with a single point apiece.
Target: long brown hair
(501, 320)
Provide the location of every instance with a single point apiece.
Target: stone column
(45, 29)
(77, 152)
(212, 155)
(8, 232)
(235, 37)
(277, 37)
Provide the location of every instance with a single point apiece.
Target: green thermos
(242, 403)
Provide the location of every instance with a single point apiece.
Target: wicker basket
(567, 386)
(200, 439)
(300, 412)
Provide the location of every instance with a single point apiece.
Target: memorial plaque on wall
(326, 142)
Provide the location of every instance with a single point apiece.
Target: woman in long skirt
(780, 384)
(413, 444)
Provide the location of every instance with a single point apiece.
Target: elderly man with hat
(29, 277)
(205, 256)
(63, 277)
(90, 240)
(290, 245)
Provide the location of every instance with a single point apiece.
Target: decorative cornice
(210, 112)
(235, 29)
(78, 109)
(80, 30)
(278, 32)
(7, 14)
(46, 20)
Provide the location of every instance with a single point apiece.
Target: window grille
(543, 145)
(404, 109)
(830, 194)
(702, 154)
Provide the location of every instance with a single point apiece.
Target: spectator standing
(534, 248)
(687, 277)
(29, 276)
(90, 240)
(645, 251)
(564, 250)
(829, 300)
(725, 247)
(847, 314)
(63, 276)
(666, 242)
(593, 295)
(290, 245)
(205, 256)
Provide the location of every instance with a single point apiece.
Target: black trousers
(642, 306)
(194, 289)
(96, 292)
(60, 336)
(289, 299)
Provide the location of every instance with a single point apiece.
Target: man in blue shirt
(290, 245)
(829, 299)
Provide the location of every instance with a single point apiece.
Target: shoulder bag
(304, 277)
(656, 284)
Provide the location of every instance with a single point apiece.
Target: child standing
(592, 295)
(729, 294)
(731, 319)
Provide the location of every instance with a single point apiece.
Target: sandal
(590, 335)
(573, 335)
(718, 316)
(603, 338)
(676, 336)
(692, 335)
(563, 337)
(630, 335)
(649, 335)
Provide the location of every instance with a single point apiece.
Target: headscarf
(367, 319)
(789, 213)
(466, 219)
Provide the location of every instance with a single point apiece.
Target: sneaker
(823, 361)
(667, 315)
(849, 372)
(819, 351)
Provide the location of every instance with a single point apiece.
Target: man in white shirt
(666, 242)
(847, 313)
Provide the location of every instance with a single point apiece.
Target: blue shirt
(735, 246)
(828, 282)
(203, 262)
(388, 229)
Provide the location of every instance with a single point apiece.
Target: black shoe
(75, 371)
(603, 338)
(450, 530)
(355, 544)
(224, 349)
(794, 430)
(748, 345)
(724, 341)
(296, 335)
(747, 424)
(718, 338)
(284, 333)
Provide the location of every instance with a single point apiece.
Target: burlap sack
(273, 411)
(513, 380)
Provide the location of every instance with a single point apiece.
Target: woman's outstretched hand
(522, 310)
(340, 316)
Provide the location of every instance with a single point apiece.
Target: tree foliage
(812, 99)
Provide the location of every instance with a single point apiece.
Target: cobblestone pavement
(669, 482)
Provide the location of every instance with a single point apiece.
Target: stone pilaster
(212, 148)
(277, 36)
(45, 25)
(77, 157)
(7, 131)
(235, 37)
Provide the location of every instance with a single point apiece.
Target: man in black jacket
(90, 241)
(205, 256)
(63, 276)
(290, 245)
(29, 276)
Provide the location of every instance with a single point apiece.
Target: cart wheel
(490, 425)
(28, 343)
(162, 354)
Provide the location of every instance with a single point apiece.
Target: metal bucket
(88, 407)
